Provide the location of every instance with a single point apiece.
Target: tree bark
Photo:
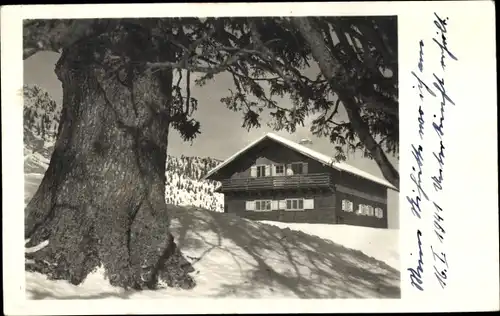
(332, 70)
(102, 199)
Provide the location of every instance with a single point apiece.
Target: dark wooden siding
(359, 191)
(266, 153)
(323, 212)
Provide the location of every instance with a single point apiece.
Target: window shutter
(273, 170)
(250, 205)
(344, 205)
(268, 171)
(304, 168)
(308, 204)
(359, 210)
(282, 204)
(274, 205)
(253, 171)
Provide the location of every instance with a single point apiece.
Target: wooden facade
(270, 181)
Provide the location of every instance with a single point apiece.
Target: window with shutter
(268, 205)
(261, 171)
(295, 204)
(263, 205)
(370, 211)
(280, 170)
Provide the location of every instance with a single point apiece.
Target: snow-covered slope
(381, 244)
(235, 257)
(184, 187)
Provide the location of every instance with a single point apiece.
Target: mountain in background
(183, 174)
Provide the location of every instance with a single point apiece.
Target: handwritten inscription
(416, 273)
(428, 174)
(442, 42)
(440, 267)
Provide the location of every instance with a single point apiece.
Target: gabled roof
(324, 159)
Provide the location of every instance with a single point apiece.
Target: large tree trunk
(331, 69)
(102, 200)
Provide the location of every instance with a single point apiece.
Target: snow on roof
(327, 160)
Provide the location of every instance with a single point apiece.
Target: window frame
(297, 208)
(301, 164)
(279, 173)
(347, 206)
(371, 210)
(257, 171)
(267, 203)
(360, 209)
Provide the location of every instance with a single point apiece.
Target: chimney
(306, 142)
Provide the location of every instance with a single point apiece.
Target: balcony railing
(312, 180)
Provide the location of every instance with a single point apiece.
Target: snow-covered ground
(381, 244)
(235, 257)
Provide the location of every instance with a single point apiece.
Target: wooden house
(276, 179)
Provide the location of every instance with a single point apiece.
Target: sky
(221, 132)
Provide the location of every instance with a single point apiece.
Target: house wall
(359, 191)
(268, 153)
(327, 204)
(323, 212)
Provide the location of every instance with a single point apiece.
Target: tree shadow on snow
(270, 259)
